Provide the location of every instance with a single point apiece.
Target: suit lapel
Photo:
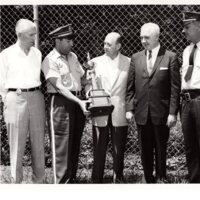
(158, 60)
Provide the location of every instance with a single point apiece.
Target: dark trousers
(190, 117)
(153, 144)
(100, 142)
(67, 123)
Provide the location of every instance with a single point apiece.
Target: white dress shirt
(194, 82)
(112, 68)
(154, 55)
(18, 70)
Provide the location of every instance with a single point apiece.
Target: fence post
(35, 18)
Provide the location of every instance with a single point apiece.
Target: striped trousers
(66, 122)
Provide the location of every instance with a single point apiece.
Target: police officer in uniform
(66, 110)
(191, 94)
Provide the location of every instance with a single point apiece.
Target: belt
(23, 90)
(188, 95)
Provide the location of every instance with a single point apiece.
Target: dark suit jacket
(158, 93)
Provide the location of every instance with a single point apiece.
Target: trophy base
(100, 103)
(97, 111)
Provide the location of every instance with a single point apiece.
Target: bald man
(112, 72)
(20, 67)
(152, 96)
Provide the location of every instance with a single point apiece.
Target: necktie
(191, 64)
(149, 62)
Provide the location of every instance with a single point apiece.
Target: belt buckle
(78, 93)
(18, 91)
(187, 96)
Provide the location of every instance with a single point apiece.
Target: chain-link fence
(91, 23)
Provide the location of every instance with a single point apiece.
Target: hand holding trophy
(100, 101)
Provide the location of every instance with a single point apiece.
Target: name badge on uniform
(64, 80)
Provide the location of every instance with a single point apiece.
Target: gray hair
(152, 27)
(23, 25)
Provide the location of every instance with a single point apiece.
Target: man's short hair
(23, 25)
(115, 35)
(152, 27)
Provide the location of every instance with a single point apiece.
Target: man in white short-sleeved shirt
(24, 109)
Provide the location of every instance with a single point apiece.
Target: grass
(176, 172)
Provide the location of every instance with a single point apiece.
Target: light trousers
(25, 113)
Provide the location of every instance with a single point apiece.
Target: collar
(19, 49)
(155, 50)
(17, 46)
(115, 59)
(198, 44)
(57, 55)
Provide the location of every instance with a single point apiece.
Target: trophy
(100, 101)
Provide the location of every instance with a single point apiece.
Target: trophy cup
(100, 101)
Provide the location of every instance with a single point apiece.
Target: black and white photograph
(99, 94)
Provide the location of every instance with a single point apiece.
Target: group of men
(147, 87)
